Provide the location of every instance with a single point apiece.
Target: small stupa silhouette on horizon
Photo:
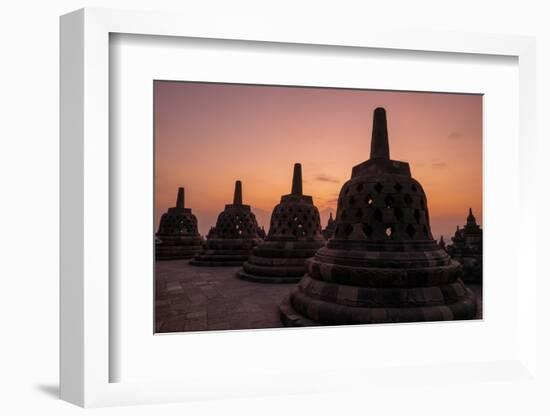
(467, 249)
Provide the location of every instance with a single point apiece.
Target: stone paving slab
(190, 298)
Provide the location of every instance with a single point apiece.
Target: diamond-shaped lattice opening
(408, 199)
(410, 230)
(389, 201)
(417, 216)
(367, 229)
(398, 187)
(359, 213)
(377, 215)
(388, 231)
(378, 187)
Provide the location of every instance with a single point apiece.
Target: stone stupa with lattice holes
(382, 264)
(294, 235)
(234, 236)
(178, 236)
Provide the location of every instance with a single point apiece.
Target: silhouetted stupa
(382, 265)
(328, 232)
(178, 236)
(230, 242)
(294, 235)
(467, 248)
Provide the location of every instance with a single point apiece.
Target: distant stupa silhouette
(382, 265)
(230, 242)
(467, 249)
(328, 232)
(178, 236)
(294, 235)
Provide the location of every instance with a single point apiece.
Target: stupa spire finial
(297, 179)
(379, 146)
(238, 196)
(180, 201)
(471, 220)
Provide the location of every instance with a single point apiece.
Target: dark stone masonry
(294, 235)
(234, 236)
(382, 264)
(178, 236)
(467, 249)
(328, 232)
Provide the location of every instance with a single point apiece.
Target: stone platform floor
(191, 298)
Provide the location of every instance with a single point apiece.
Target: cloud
(440, 165)
(455, 135)
(326, 178)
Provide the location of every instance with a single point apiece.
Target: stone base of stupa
(278, 261)
(224, 252)
(336, 294)
(182, 249)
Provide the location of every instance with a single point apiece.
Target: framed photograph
(273, 212)
(359, 251)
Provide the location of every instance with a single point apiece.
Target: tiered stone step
(278, 261)
(294, 236)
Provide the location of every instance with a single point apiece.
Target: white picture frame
(86, 291)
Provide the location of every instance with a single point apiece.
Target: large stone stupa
(231, 241)
(178, 236)
(382, 264)
(294, 235)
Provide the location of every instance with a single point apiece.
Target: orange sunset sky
(208, 135)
